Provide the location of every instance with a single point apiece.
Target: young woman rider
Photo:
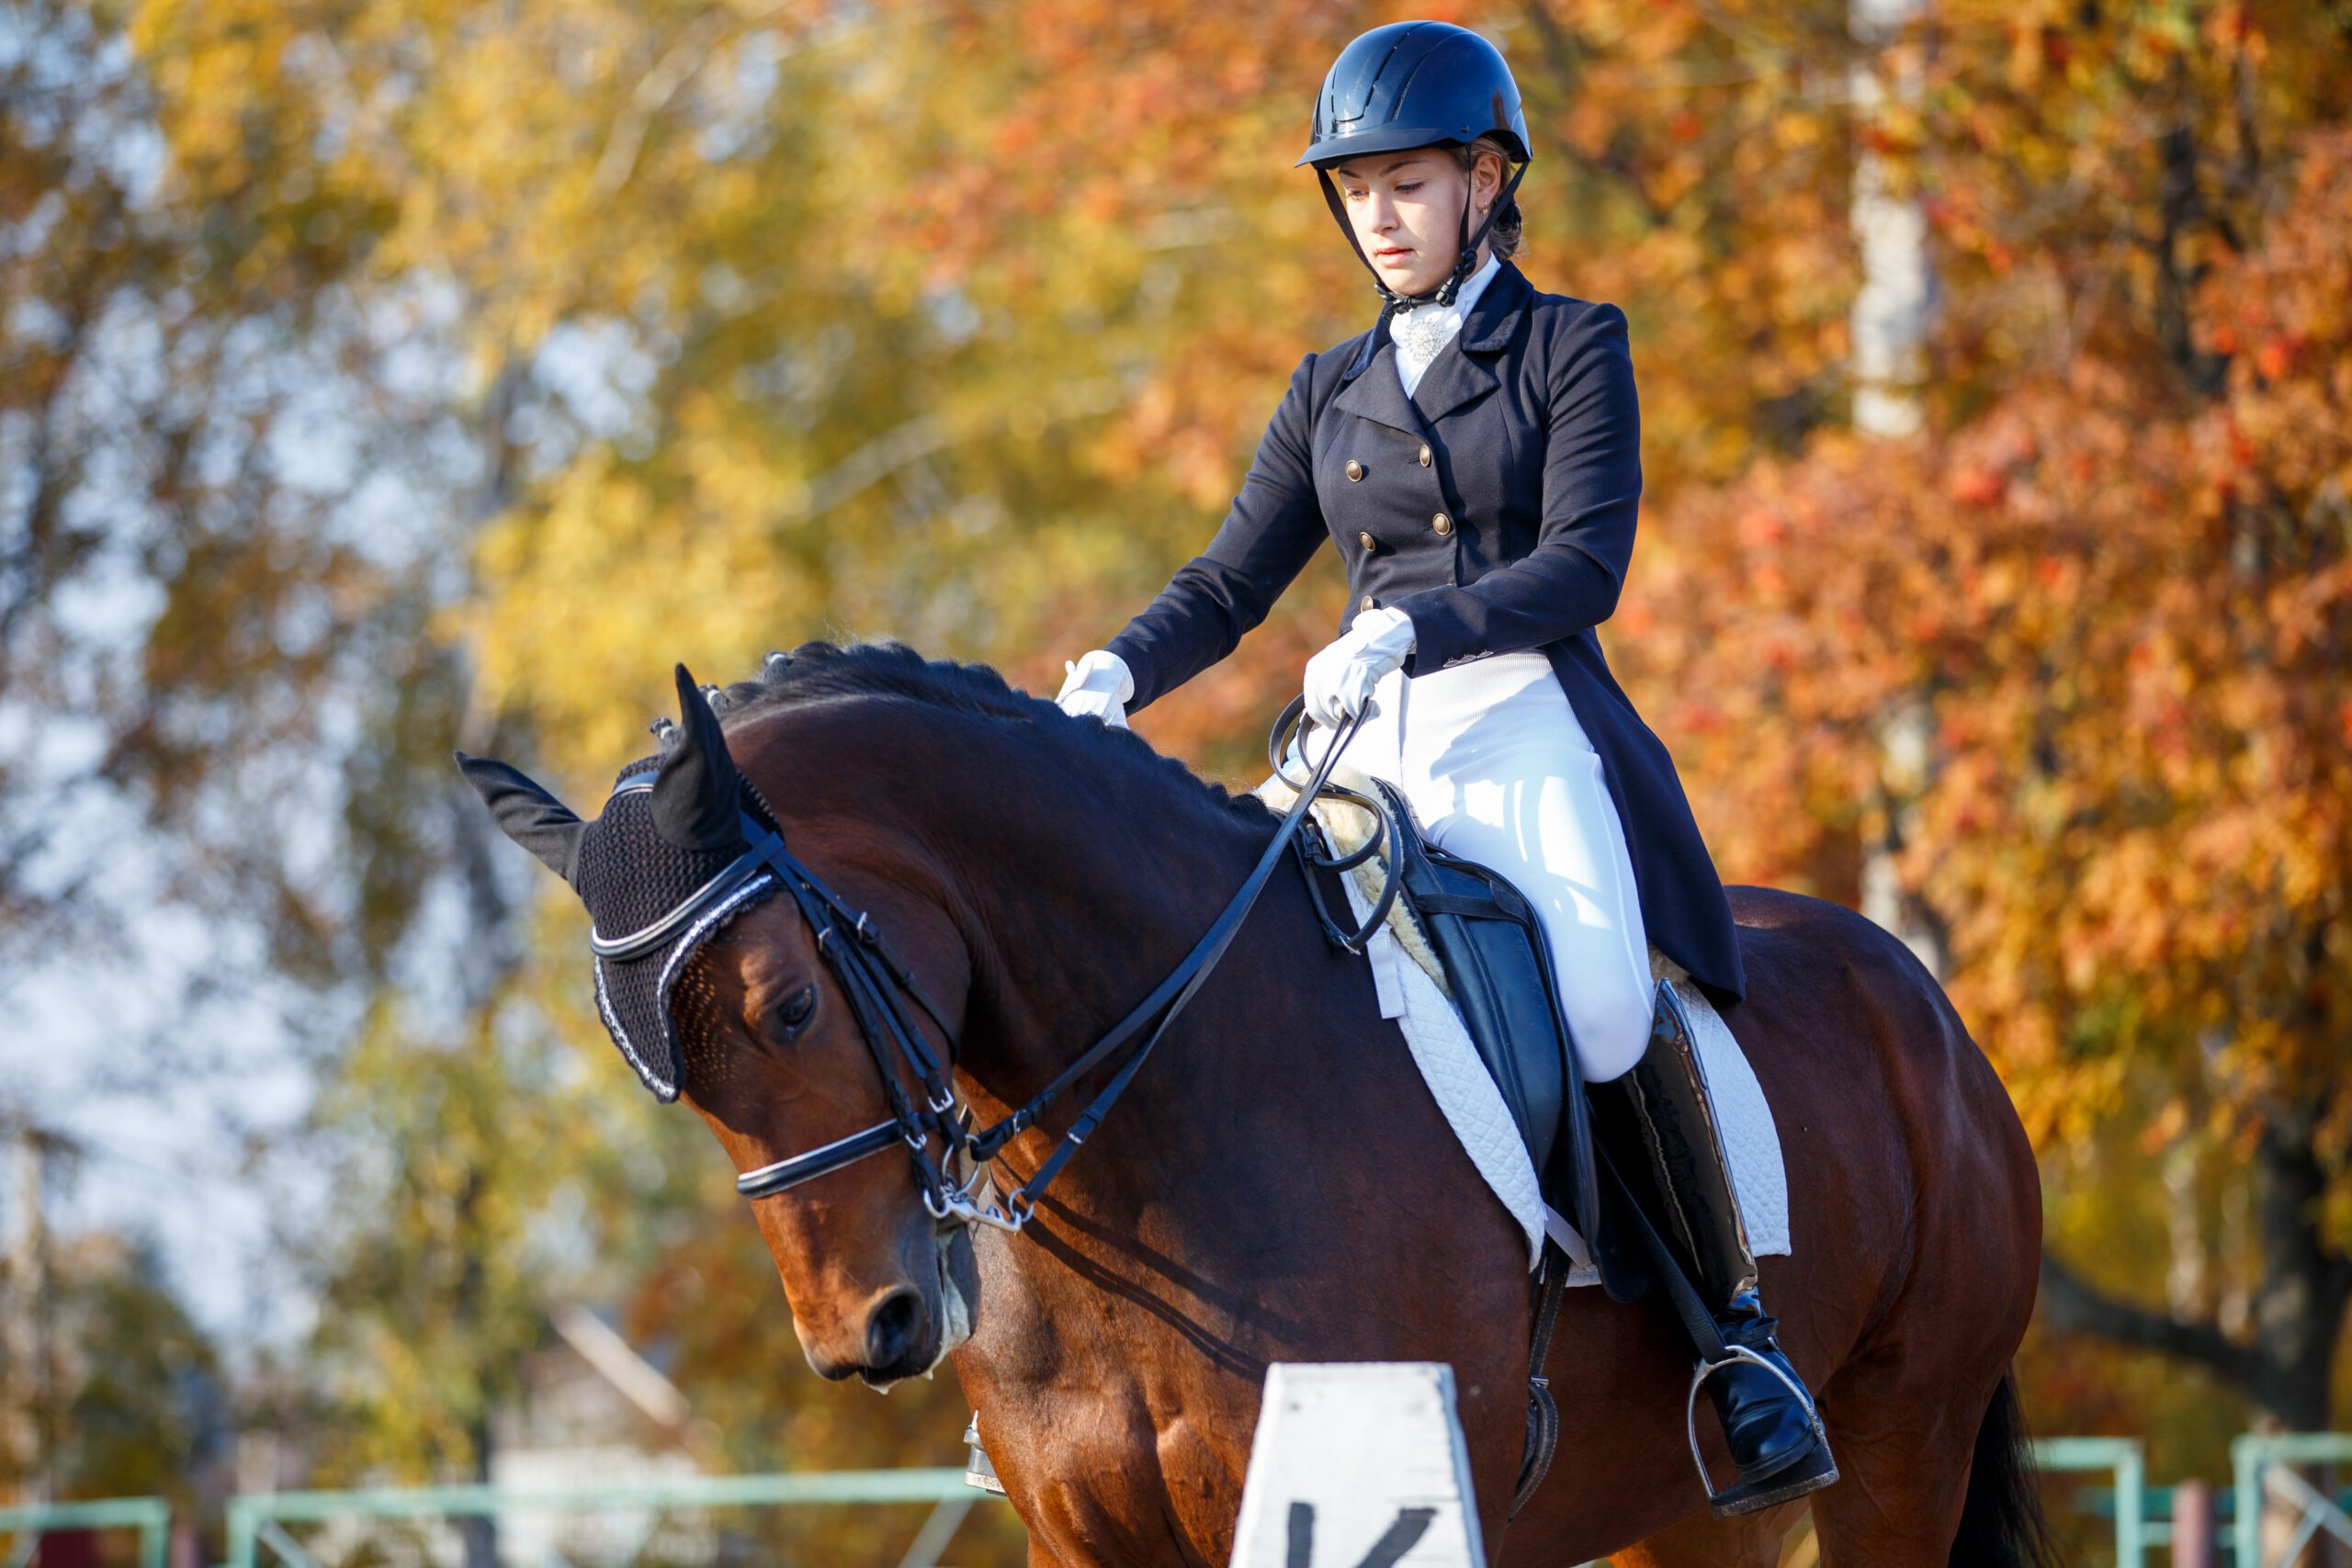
(1483, 501)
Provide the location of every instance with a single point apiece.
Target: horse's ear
(698, 803)
(528, 814)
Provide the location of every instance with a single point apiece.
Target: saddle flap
(1498, 966)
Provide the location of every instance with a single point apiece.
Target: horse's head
(711, 978)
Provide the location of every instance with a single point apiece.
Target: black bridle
(878, 985)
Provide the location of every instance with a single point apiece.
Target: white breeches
(1499, 771)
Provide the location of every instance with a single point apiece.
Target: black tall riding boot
(1775, 1438)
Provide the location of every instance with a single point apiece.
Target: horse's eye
(791, 1015)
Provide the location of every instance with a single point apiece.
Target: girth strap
(1542, 1410)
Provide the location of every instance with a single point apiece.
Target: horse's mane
(825, 671)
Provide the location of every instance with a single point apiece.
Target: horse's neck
(1108, 898)
(1245, 1199)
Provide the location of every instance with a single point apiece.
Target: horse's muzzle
(901, 1337)
(910, 1329)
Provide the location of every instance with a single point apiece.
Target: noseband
(878, 987)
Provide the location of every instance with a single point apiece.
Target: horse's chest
(1119, 1441)
(1105, 1477)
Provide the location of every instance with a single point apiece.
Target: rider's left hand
(1340, 679)
(1098, 687)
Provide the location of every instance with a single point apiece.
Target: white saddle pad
(1411, 985)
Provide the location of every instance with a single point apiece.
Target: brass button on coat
(1364, 604)
(1425, 454)
(1355, 470)
(1367, 539)
(1442, 524)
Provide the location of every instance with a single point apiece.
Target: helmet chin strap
(1464, 263)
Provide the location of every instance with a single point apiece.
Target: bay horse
(1280, 1185)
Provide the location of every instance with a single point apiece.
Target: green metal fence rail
(2256, 1461)
(2127, 1460)
(256, 1520)
(151, 1516)
(2259, 1462)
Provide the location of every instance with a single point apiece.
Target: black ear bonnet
(664, 867)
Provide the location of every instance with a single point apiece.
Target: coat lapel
(1452, 379)
(1463, 370)
(1377, 394)
(1460, 374)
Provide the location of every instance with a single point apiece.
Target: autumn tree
(2111, 579)
(489, 359)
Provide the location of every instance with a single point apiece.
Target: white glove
(1340, 679)
(1098, 687)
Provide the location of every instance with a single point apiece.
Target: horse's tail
(2001, 1526)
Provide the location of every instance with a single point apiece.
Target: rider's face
(1406, 208)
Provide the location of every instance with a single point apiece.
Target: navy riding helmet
(1416, 85)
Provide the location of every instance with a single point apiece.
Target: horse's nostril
(895, 1329)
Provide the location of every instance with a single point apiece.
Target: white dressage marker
(1357, 1464)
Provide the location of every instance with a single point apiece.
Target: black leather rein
(874, 982)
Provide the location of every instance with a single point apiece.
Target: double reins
(875, 980)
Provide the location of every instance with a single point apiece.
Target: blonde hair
(1504, 236)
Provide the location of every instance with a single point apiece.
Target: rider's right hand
(1098, 687)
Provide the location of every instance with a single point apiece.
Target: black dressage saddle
(1490, 943)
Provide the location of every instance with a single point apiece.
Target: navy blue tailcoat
(1496, 507)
